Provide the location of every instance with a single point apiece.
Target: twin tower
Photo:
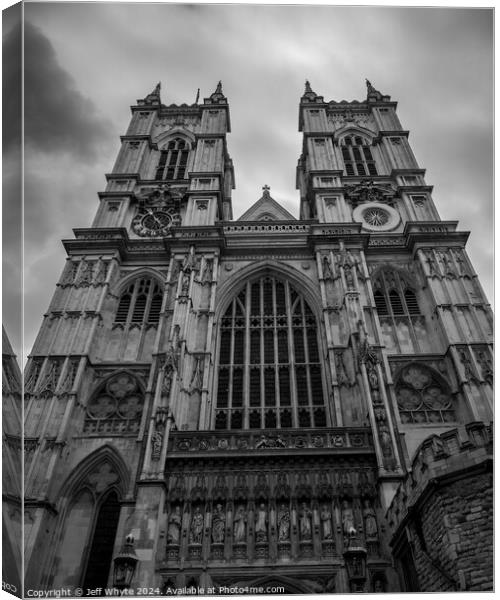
(271, 402)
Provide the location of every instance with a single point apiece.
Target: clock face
(151, 222)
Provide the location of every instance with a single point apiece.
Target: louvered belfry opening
(357, 155)
(140, 302)
(269, 371)
(173, 160)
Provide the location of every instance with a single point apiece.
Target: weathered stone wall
(444, 511)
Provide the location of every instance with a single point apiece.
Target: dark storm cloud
(436, 63)
(57, 116)
(11, 86)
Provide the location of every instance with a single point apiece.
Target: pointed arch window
(269, 372)
(173, 160)
(140, 302)
(357, 155)
(402, 322)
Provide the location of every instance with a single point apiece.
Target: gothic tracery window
(116, 407)
(358, 158)
(269, 362)
(140, 302)
(173, 160)
(423, 397)
(401, 320)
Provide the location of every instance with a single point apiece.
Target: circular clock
(151, 222)
(376, 216)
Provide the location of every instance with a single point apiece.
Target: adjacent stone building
(251, 399)
(12, 480)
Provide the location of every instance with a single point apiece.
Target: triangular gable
(266, 209)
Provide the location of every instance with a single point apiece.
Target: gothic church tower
(248, 398)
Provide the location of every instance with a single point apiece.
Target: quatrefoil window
(116, 407)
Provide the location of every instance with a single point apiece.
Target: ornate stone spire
(309, 94)
(153, 97)
(218, 95)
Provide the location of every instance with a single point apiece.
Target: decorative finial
(373, 95)
(219, 88)
(308, 87)
(197, 96)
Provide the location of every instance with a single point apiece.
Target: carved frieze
(209, 442)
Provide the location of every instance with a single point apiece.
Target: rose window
(116, 407)
(376, 217)
(423, 397)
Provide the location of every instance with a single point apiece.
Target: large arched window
(173, 160)
(403, 325)
(357, 155)
(269, 371)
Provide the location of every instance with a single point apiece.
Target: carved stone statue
(218, 525)
(196, 529)
(186, 279)
(327, 272)
(373, 377)
(240, 527)
(305, 522)
(385, 440)
(156, 443)
(174, 526)
(371, 529)
(261, 523)
(348, 277)
(283, 523)
(347, 519)
(206, 276)
(326, 522)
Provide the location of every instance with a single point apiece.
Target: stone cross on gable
(266, 189)
(103, 477)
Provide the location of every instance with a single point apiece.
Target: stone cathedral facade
(245, 396)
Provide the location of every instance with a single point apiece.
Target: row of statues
(261, 523)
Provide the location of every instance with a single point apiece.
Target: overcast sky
(85, 64)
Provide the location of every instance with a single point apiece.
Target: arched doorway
(103, 541)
